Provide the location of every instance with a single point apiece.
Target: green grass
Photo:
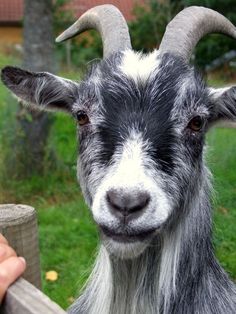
(222, 161)
(68, 241)
(68, 236)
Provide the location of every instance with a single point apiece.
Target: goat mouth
(127, 237)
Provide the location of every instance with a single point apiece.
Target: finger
(10, 270)
(3, 239)
(6, 251)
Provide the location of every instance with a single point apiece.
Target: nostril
(127, 203)
(114, 199)
(142, 201)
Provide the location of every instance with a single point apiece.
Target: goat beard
(123, 250)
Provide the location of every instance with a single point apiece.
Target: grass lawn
(222, 162)
(68, 237)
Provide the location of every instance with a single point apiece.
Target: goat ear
(42, 90)
(224, 103)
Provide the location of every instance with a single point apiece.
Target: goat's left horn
(189, 26)
(109, 22)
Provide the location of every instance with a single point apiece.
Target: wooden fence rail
(24, 298)
(18, 223)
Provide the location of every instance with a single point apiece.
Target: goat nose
(124, 203)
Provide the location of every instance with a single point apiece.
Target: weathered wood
(18, 223)
(24, 298)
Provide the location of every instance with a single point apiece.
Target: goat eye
(82, 118)
(196, 124)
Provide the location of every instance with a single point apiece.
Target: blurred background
(38, 150)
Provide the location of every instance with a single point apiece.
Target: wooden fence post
(18, 223)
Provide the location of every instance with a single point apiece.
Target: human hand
(11, 266)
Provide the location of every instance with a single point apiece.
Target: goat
(142, 120)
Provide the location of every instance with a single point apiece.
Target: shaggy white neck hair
(132, 286)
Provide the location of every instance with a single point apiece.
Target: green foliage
(62, 16)
(81, 50)
(150, 22)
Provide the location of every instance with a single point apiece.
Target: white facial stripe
(130, 161)
(139, 66)
(132, 173)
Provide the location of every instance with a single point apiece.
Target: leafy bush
(150, 20)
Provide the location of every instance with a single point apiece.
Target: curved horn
(189, 26)
(109, 22)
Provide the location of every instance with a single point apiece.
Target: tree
(32, 126)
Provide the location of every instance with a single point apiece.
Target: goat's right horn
(109, 22)
(189, 26)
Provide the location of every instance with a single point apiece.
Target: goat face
(142, 121)
(141, 139)
(143, 148)
(138, 154)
